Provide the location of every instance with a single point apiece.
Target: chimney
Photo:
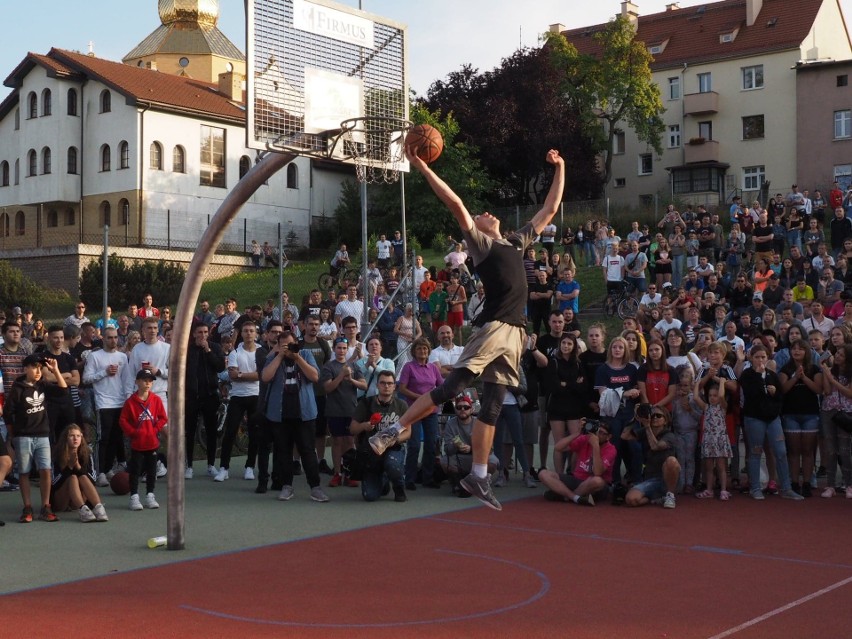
(556, 28)
(753, 8)
(231, 85)
(631, 12)
(674, 6)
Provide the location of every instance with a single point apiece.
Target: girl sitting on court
(74, 477)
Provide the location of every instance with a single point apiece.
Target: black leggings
(143, 460)
(460, 379)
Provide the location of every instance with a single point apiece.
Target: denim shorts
(32, 449)
(651, 488)
(800, 423)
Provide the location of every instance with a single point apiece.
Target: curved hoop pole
(228, 210)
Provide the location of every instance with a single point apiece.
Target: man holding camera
(592, 475)
(662, 469)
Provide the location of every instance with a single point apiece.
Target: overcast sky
(443, 34)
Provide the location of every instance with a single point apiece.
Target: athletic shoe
(772, 488)
(26, 515)
(261, 488)
(399, 494)
(212, 471)
(350, 483)
(757, 494)
(161, 469)
(187, 474)
(849, 492)
(135, 504)
(100, 513)
(222, 475)
(335, 481)
(791, 494)
(297, 467)
(86, 514)
(103, 481)
(534, 473)
(480, 487)
(47, 514)
(529, 482)
(151, 501)
(669, 501)
(821, 472)
(318, 494)
(248, 474)
(500, 481)
(8, 487)
(588, 500)
(828, 493)
(384, 439)
(286, 494)
(324, 468)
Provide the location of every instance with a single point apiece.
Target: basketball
(120, 483)
(427, 142)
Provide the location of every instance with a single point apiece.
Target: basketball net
(375, 144)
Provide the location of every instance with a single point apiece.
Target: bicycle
(336, 276)
(622, 301)
(241, 441)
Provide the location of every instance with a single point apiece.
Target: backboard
(312, 64)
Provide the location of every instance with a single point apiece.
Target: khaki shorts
(494, 353)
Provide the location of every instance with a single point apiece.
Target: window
(156, 159)
(106, 213)
(752, 127)
(5, 225)
(46, 102)
(17, 119)
(705, 130)
(106, 158)
(674, 88)
(674, 136)
(618, 143)
(46, 161)
(212, 168)
(620, 183)
(753, 177)
(20, 223)
(72, 160)
(843, 174)
(696, 180)
(178, 160)
(646, 166)
(70, 217)
(72, 101)
(245, 165)
(843, 80)
(123, 155)
(292, 176)
(705, 83)
(32, 106)
(106, 101)
(752, 77)
(32, 163)
(842, 124)
(17, 171)
(4, 173)
(52, 219)
(124, 212)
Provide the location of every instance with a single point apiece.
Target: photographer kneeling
(592, 473)
(662, 469)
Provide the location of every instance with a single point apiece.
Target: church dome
(204, 13)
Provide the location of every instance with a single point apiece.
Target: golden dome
(204, 13)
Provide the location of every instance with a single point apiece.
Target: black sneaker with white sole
(480, 487)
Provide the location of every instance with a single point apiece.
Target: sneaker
(384, 439)
(161, 469)
(151, 501)
(135, 504)
(103, 480)
(821, 473)
(111, 473)
(758, 495)
(324, 468)
(588, 500)
(100, 513)
(8, 487)
(297, 467)
(849, 492)
(212, 471)
(47, 514)
(222, 475)
(261, 489)
(286, 494)
(500, 481)
(791, 494)
(480, 487)
(828, 493)
(772, 488)
(86, 514)
(534, 473)
(187, 474)
(669, 501)
(26, 515)
(248, 474)
(807, 490)
(529, 482)
(335, 481)
(318, 494)
(399, 494)
(350, 483)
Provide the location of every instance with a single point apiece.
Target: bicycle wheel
(325, 281)
(610, 305)
(241, 441)
(628, 307)
(352, 275)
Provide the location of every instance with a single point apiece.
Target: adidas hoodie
(142, 420)
(26, 407)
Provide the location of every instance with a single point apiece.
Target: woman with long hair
(39, 333)
(663, 262)
(567, 392)
(407, 330)
(634, 347)
(328, 328)
(677, 242)
(788, 274)
(676, 353)
(767, 320)
(837, 401)
(133, 338)
(657, 380)
(74, 477)
(762, 273)
(795, 225)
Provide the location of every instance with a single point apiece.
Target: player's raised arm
(554, 196)
(443, 191)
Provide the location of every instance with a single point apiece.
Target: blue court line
(650, 544)
(544, 587)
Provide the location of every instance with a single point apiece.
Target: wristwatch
(239, 374)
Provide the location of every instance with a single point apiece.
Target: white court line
(792, 604)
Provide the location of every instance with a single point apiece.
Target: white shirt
(157, 356)
(824, 326)
(735, 342)
(548, 235)
(614, 264)
(664, 327)
(109, 389)
(445, 356)
(419, 276)
(244, 362)
(648, 299)
(346, 309)
(383, 249)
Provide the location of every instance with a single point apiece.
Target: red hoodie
(142, 420)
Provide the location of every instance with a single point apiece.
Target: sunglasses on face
(463, 407)
(657, 415)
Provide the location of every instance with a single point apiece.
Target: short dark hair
(53, 328)
(386, 373)
(348, 321)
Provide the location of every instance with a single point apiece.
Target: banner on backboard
(332, 23)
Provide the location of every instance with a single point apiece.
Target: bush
(17, 289)
(129, 281)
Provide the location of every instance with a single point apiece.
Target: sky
(443, 34)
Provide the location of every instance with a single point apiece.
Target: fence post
(169, 228)
(106, 276)
(245, 235)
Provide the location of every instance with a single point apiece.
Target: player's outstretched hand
(553, 157)
(413, 158)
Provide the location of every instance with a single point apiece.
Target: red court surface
(537, 569)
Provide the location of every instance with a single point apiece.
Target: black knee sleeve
(492, 402)
(456, 382)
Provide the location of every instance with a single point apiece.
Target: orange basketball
(120, 483)
(427, 142)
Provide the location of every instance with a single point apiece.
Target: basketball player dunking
(493, 352)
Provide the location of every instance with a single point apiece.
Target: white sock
(576, 499)
(480, 470)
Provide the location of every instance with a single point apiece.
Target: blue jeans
(794, 238)
(678, 269)
(510, 420)
(589, 251)
(640, 283)
(628, 451)
(758, 432)
(427, 428)
(389, 473)
(800, 423)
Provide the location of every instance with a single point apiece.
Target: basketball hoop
(375, 144)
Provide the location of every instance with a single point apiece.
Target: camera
(643, 411)
(294, 348)
(591, 426)
(43, 357)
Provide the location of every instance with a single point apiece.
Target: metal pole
(239, 195)
(365, 318)
(169, 228)
(404, 232)
(280, 277)
(106, 275)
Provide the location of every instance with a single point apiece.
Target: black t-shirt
(654, 459)
(800, 400)
(761, 231)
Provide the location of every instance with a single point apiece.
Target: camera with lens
(591, 426)
(294, 348)
(643, 411)
(43, 357)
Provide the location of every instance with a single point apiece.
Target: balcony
(707, 151)
(701, 103)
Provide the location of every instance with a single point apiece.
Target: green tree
(611, 87)
(129, 281)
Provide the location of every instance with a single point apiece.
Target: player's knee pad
(456, 382)
(492, 402)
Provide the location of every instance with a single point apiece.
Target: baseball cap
(463, 399)
(17, 311)
(146, 373)
(668, 285)
(32, 360)
(758, 295)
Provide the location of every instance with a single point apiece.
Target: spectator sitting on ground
(74, 477)
(457, 459)
(662, 469)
